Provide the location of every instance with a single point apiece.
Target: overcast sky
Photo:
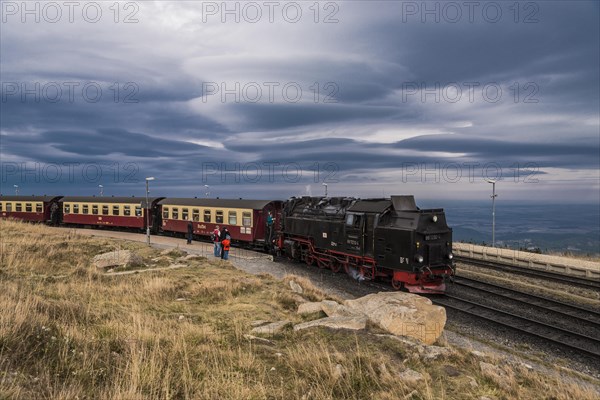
(271, 99)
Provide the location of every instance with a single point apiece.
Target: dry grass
(70, 332)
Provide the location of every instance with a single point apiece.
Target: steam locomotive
(388, 239)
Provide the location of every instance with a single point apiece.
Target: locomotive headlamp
(434, 218)
(419, 258)
(450, 256)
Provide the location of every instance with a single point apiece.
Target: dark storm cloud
(98, 144)
(370, 55)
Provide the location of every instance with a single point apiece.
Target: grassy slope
(67, 332)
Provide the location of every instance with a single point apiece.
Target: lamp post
(16, 189)
(151, 178)
(494, 195)
(101, 190)
(207, 193)
(324, 184)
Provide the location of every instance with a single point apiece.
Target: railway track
(587, 345)
(552, 276)
(580, 314)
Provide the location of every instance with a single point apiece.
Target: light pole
(151, 178)
(494, 195)
(101, 190)
(207, 193)
(324, 184)
(16, 189)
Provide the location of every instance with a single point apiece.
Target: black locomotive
(371, 238)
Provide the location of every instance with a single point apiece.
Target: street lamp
(207, 193)
(101, 190)
(494, 195)
(16, 189)
(324, 184)
(151, 178)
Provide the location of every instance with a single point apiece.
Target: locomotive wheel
(310, 260)
(335, 266)
(398, 285)
(321, 264)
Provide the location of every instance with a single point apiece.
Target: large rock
(309, 308)
(354, 323)
(116, 258)
(270, 329)
(410, 376)
(334, 309)
(402, 314)
(296, 288)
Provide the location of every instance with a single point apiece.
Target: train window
(207, 216)
(165, 212)
(18, 207)
(185, 213)
(84, 209)
(127, 211)
(75, 208)
(219, 217)
(246, 219)
(104, 210)
(95, 209)
(357, 221)
(138, 211)
(1, 206)
(350, 219)
(28, 207)
(116, 210)
(67, 208)
(175, 213)
(232, 218)
(39, 208)
(196, 215)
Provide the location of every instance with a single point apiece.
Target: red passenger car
(126, 212)
(27, 208)
(246, 220)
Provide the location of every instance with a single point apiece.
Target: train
(388, 239)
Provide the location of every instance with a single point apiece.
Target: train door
(355, 238)
(156, 219)
(369, 229)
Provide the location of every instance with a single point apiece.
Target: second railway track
(552, 276)
(585, 316)
(590, 346)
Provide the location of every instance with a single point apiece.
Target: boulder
(431, 353)
(116, 258)
(334, 309)
(410, 376)
(296, 288)
(403, 314)
(309, 308)
(259, 340)
(270, 329)
(353, 323)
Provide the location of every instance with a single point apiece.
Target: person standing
(224, 235)
(226, 245)
(190, 232)
(216, 238)
(270, 221)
